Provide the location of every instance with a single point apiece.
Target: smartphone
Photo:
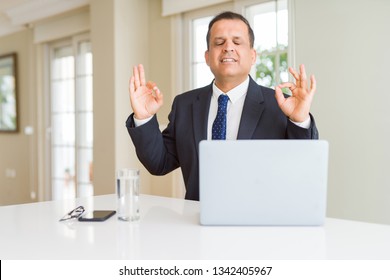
(97, 216)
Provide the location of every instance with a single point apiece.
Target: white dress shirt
(234, 109)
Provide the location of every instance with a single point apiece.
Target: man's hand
(297, 107)
(145, 98)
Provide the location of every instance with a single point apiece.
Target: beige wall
(103, 48)
(160, 67)
(17, 150)
(346, 44)
(131, 26)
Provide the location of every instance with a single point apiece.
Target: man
(253, 111)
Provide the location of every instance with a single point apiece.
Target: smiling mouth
(228, 60)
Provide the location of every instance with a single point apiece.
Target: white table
(169, 229)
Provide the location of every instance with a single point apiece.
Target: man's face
(230, 56)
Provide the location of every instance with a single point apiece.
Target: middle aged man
(253, 111)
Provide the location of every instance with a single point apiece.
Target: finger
(136, 77)
(279, 95)
(142, 74)
(303, 76)
(290, 86)
(150, 85)
(295, 75)
(287, 85)
(313, 84)
(159, 95)
(131, 90)
(131, 85)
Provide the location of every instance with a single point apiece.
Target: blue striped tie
(219, 125)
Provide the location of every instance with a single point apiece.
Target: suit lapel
(200, 113)
(252, 111)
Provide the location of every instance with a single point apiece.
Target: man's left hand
(297, 106)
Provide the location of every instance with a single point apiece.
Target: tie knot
(223, 100)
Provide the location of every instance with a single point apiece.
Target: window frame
(277, 52)
(49, 47)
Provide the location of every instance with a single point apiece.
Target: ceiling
(15, 15)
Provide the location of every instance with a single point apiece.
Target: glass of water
(127, 193)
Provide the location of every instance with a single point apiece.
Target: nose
(229, 47)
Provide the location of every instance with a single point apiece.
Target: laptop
(263, 182)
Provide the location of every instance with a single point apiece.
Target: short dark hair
(231, 15)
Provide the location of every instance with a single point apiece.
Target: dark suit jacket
(177, 145)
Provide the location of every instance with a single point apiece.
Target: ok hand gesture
(297, 106)
(145, 98)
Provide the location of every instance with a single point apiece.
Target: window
(202, 75)
(71, 119)
(197, 73)
(270, 24)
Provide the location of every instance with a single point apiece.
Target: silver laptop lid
(263, 182)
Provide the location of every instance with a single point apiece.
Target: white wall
(346, 44)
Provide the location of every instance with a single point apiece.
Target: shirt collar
(235, 93)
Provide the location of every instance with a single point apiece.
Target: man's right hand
(145, 98)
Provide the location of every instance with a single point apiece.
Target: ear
(254, 54)
(206, 57)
